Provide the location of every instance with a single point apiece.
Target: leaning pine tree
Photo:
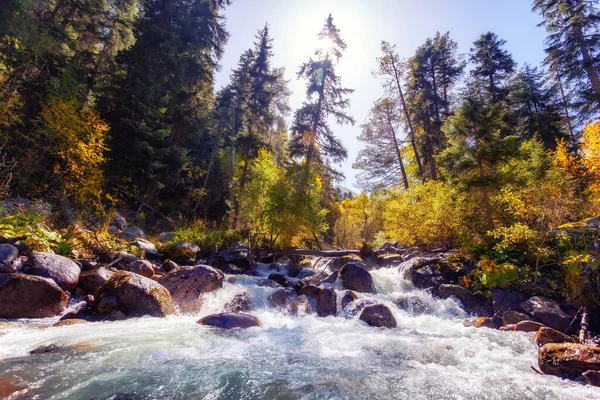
(325, 98)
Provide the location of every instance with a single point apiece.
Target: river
(429, 356)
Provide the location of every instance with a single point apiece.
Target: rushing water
(433, 356)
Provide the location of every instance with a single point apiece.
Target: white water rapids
(430, 356)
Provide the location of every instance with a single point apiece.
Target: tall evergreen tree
(381, 160)
(573, 42)
(434, 70)
(536, 107)
(325, 98)
(493, 65)
(159, 108)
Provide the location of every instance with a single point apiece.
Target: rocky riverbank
(39, 285)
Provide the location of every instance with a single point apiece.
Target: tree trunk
(397, 148)
(407, 116)
(588, 64)
(564, 100)
(486, 199)
(315, 126)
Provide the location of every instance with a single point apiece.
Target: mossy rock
(138, 296)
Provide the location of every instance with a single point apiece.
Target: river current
(429, 356)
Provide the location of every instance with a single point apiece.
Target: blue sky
(364, 24)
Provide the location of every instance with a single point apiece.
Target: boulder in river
(137, 295)
(64, 271)
(568, 360)
(339, 262)
(230, 320)
(28, 296)
(327, 303)
(280, 297)
(510, 317)
(592, 377)
(356, 278)
(90, 281)
(484, 322)
(237, 255)
(299, 306)
(378, 315)
(188, 284)
(240, 303)
(548, 312)
(473, 303)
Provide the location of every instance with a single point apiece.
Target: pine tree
(325, 98)
(574, 45)
(536, 107)
(433, 71)
(159, 107)
(381, 160)
(493, 65)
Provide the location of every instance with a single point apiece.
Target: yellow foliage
(358, 222)
(77, 141)
(430, 214)
(590, 148)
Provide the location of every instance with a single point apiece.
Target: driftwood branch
(584, 325)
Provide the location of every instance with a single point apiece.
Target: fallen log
(317, 253)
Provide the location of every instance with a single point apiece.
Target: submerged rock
(241, 302)
(348, 298)
(327, 303)
(230, 320)
(592, 377)
(356, 278)
(27, 296)
(484, 322)
(378, 315)
(70, 321)
(64, 271)
(188, 284)
(299, 306)
(280, 298)
(548, 312)
(137, 295)
(568, 360)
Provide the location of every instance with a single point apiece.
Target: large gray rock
(230, 321)
(90, 281)
(188, 284)
(472, 303)
(8, 253)
(548, 312)
(27, 296)
(119, 221)
(356, 278)
(378, 315)
(132, 233)
(339, 262)
(138, 296)
(327, 303)
(236, 255)
(64, 271)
